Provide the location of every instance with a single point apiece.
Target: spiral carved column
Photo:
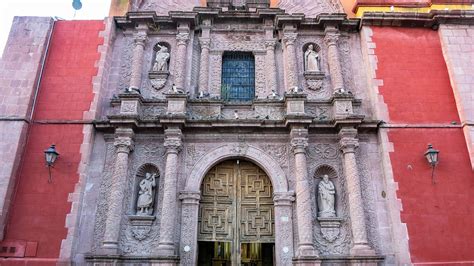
(123, 146)
(331, 38)
(140, 39)
(348, 144)
(173, 146)
(299, 142)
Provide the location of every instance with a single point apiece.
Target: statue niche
(326, 198)
(146, 195)
(146, 190)
(326, 203)
(312, 66)
(160, 67)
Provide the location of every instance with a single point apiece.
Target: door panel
(236, 206)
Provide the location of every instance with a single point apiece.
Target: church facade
(241, 133)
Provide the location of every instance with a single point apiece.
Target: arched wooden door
(236, 216)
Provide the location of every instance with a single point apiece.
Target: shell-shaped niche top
(162, 7)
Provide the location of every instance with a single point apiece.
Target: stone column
(291, 67)
(271, 75)
(331, 38)
(182, 39)
(189, 227)
(204, 67)
(137, 60)
(348, 143)
(172, 144)
(299, 142)
(123, 146)
(284, 226)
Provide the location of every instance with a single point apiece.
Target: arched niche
(141, 187)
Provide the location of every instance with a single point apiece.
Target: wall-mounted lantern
(50, 156)
(431, 156)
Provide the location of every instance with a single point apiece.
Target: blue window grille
(238, 77)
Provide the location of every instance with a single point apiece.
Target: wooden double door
(236, 216)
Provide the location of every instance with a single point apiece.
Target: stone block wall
(39, 209)
(412, 80)
(20, 67)
(457, 42)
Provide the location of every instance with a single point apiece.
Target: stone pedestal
(141, 225)
(330, 227)
(130, 104)
(176, 104)
(342, 102)
(158, 79)
(295, 104)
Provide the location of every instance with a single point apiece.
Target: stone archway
(282, 199)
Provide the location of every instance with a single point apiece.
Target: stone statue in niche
(326, 198)
(161, 59)
(311, 60)
(146, 195)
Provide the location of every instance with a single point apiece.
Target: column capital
(205, 43)
(270, 44)
(331, 38)
(289, 38)
(190, 197)
(348, 141)
(140, 38)
(173, 143)
(124, 140)
(182, 38)
(299, 145)
(283, 198)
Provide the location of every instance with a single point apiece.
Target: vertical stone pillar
(204, 68)
(291, 69)
(123, 146)
(172, 144)
(182, 39)
(299, 142)
(271, 75)
(189, 227)
(140, 38)
(348, 143)
(331, 38)
(284, 226)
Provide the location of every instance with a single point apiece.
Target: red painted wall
(416, 89)
(39, 209)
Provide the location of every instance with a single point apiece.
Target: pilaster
(189, 226)
(284, 221)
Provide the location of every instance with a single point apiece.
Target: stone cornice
(426, 20)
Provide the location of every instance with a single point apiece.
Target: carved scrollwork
(140, 232)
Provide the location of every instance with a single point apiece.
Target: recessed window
(238, 77)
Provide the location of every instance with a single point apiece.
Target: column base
(165, 250)
(362, 250)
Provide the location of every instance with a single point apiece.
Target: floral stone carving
(314, 79)
(330, 227)
(141, 226)
(158, 78)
